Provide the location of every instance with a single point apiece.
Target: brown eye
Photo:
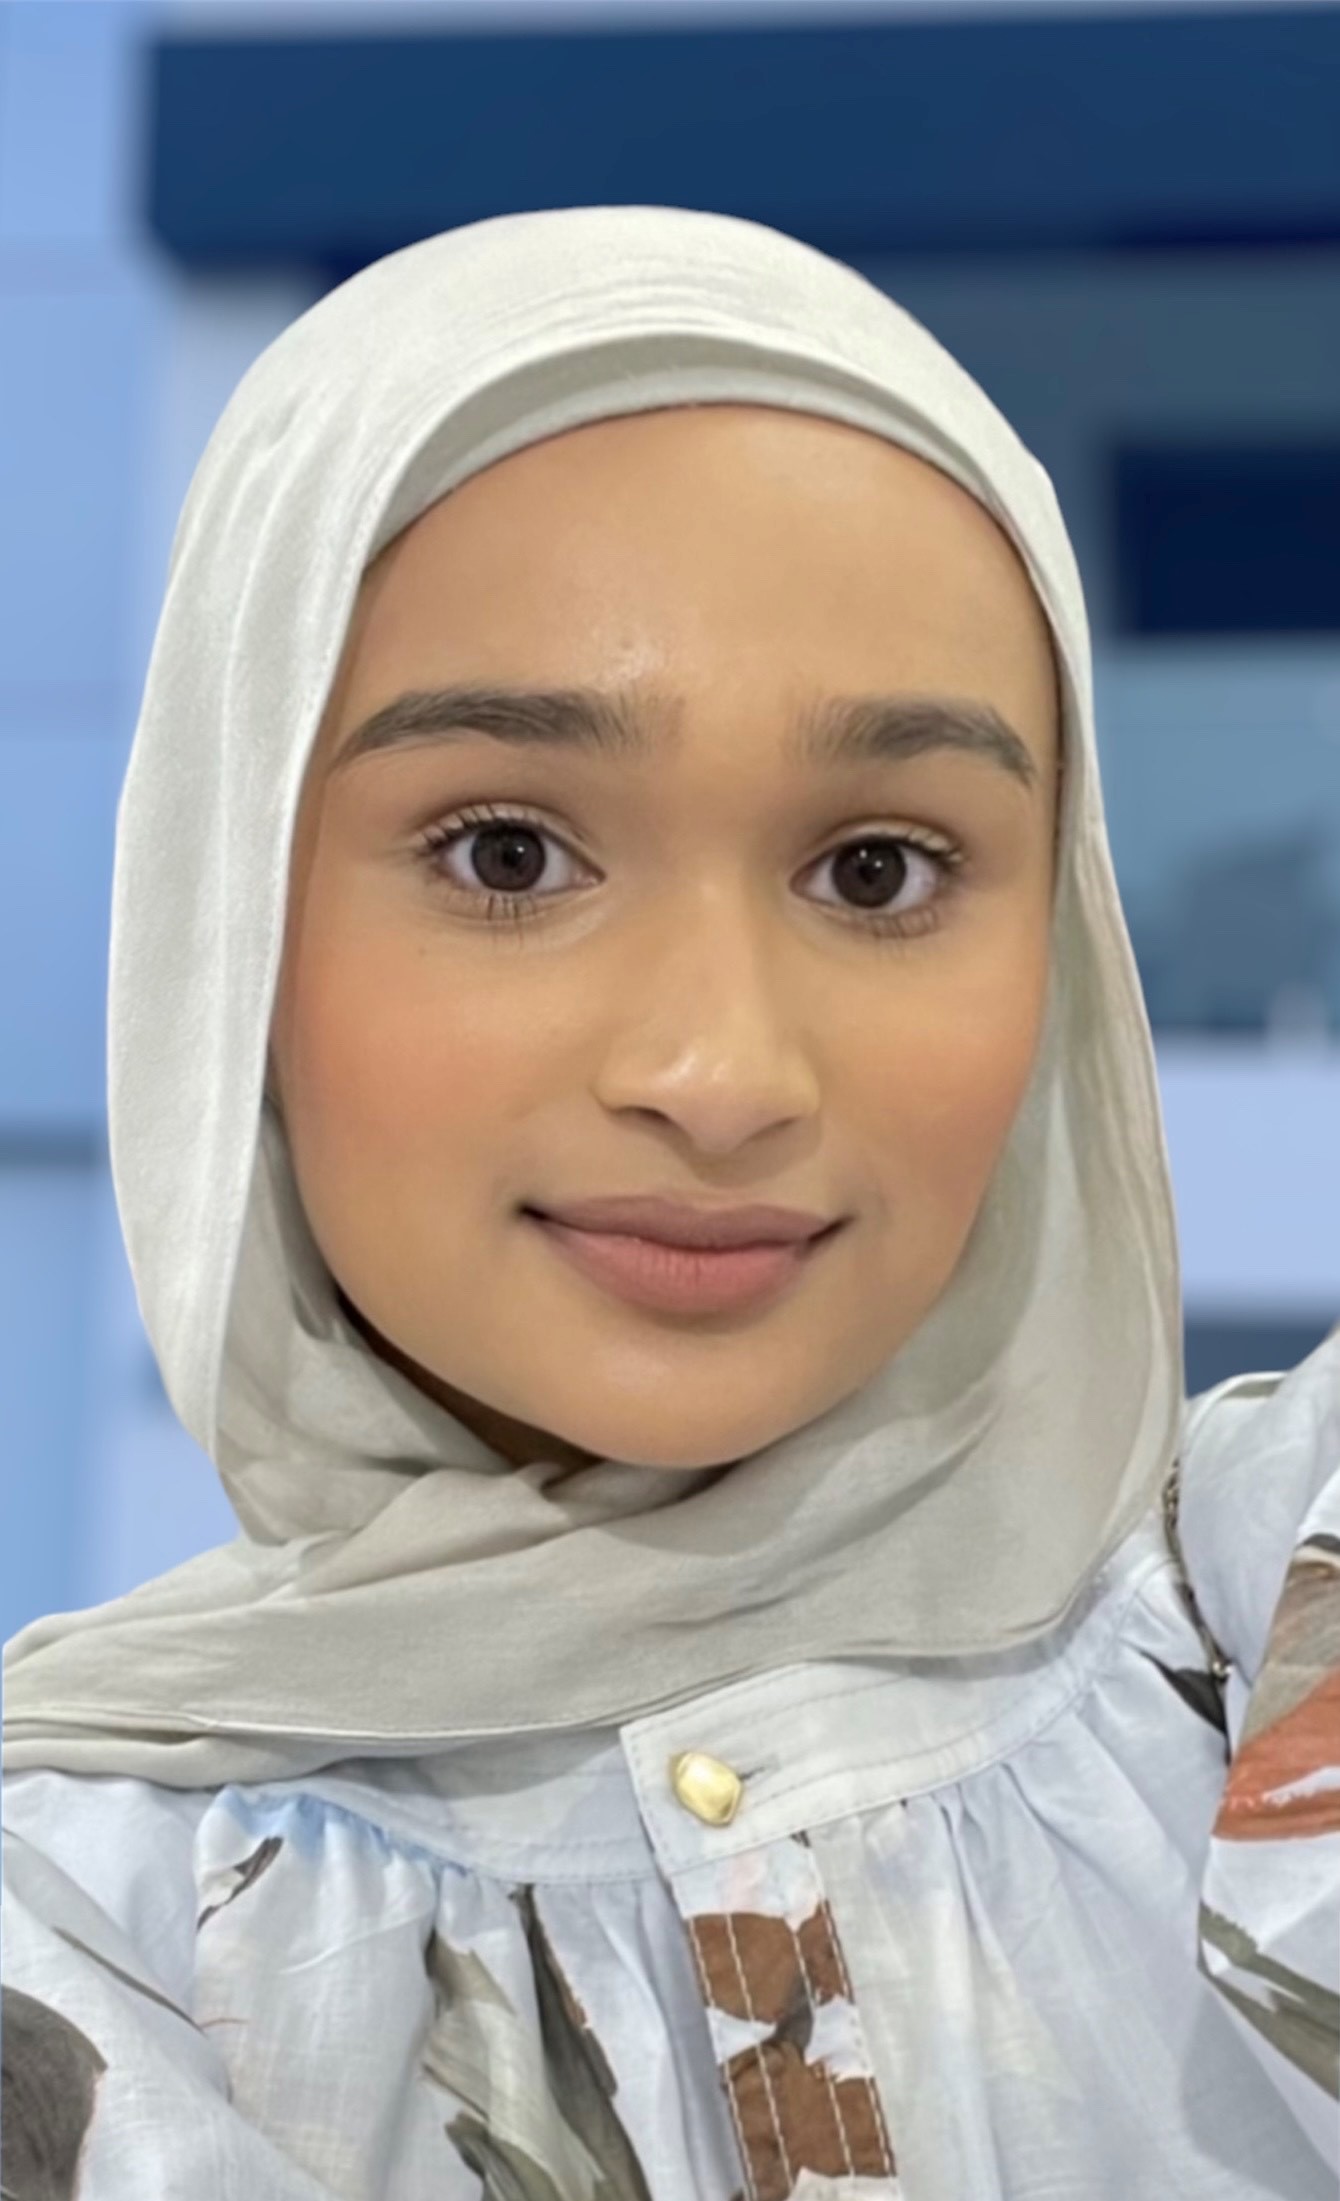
(872, 872)
(505, 855)
(509, 859)
(502, 859)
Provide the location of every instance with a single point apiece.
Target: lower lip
(682, 1279)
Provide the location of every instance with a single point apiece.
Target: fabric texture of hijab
(397, 1583)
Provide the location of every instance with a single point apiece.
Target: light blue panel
(45, 1219)
(76, 327)
(57, 828)
(154, 1498)
(1221, 780)
(67, 116)
(1202, 744)
(1252, 1146)
(75, 361)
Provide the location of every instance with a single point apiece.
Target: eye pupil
(509, 838)
(868, 873)
(873, 868)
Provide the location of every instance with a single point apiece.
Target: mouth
(677, 1279)
(675, 1222)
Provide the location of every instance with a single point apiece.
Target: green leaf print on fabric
(1300, 2018)
(1197, 1688)
(127, 1979)
(50, 2082)
(248, 1872)
(579, 2070)
(460, 1974)
(536, 2119)
(505, 2174)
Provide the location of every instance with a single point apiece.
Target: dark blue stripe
(1219, 539)
(1025, 134)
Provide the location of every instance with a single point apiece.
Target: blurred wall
(1221, 753)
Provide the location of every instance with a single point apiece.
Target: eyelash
(521, 907)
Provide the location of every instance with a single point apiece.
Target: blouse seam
(1157, 1563)
(1155, 1567)
(439, 1856)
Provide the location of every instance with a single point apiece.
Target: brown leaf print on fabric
(1292, 1730)
(49, 2085)
(791, 2115)
(754, 1968)
(1299, 1746)
(1300, 2017)
(1304, 1640)
(249, 1871)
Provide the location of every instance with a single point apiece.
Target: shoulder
(1260, 1475)
(88, 1848)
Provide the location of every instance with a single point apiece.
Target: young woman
(638, 1142)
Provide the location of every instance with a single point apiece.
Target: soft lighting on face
(681, 823)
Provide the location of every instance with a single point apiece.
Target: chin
(714, 1465)
(674, 1459)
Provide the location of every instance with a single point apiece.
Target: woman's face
(675, 970)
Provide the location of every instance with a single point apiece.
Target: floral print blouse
(1061, 1924)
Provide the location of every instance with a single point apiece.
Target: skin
(699, 1008)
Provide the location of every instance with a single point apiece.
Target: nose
(709, 1042)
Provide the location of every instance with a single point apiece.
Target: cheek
(949, 1081)
(389, 1061)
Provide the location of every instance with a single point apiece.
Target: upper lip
(678, 1225)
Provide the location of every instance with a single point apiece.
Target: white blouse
(1056, 1925)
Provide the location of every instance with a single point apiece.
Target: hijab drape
(396, 1582)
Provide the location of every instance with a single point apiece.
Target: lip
(683, 1279)
(673, 1223)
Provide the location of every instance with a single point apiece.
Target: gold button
(706, 1787)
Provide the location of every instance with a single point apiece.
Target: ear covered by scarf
(969, 1492)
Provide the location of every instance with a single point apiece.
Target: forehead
(722, 460)
(663, 488)
(731, 551)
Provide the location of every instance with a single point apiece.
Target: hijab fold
(396, 1583)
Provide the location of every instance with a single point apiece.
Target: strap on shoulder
(1172, 1490)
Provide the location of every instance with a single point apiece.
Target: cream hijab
(397, 1583)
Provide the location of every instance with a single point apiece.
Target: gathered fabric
(1057, 1921)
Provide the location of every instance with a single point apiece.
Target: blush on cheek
(407, 1114)
(969, 1088)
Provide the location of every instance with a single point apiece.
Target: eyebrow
(840, 730)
